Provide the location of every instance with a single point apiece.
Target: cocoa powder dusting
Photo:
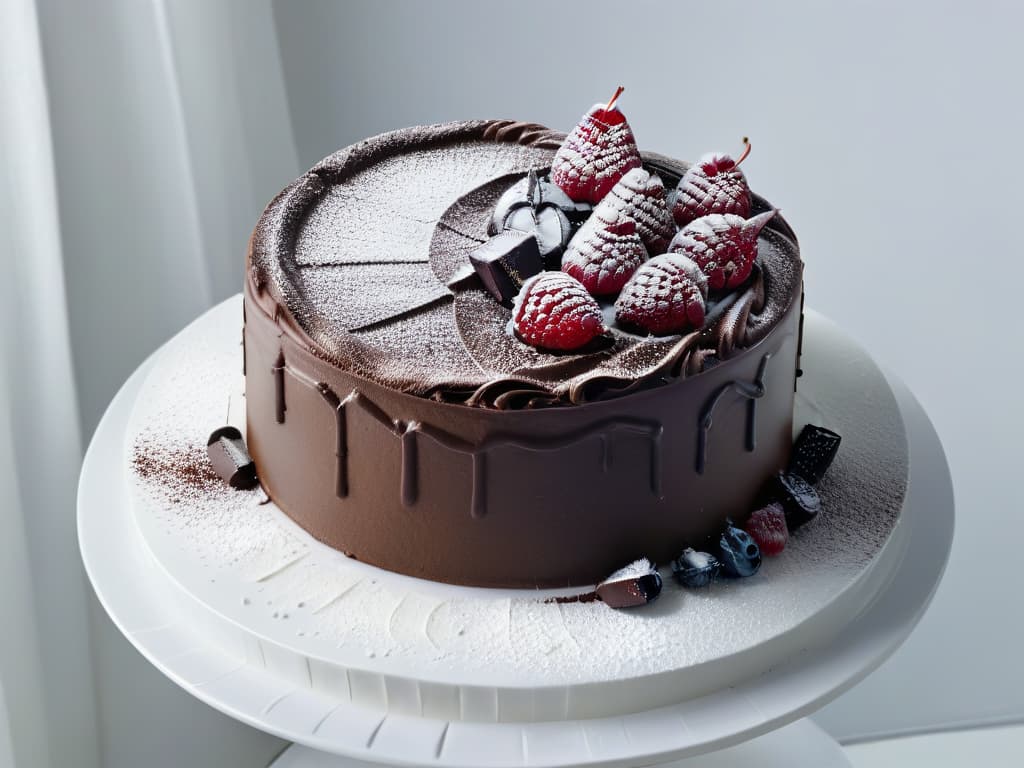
(586, 597)
(180, 471)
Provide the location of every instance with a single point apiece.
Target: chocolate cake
(393, 413)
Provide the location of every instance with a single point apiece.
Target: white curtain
(44, 648)
(139, 141)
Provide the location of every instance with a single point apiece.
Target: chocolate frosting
(363, 254)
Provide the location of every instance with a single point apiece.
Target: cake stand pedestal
(801, 744)
(759, 721)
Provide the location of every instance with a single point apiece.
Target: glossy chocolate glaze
(408, 433)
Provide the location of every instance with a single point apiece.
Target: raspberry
(714, 184)
(595, 154)
(666, 295)
(767, 526)
(553, 311)
(605, 253)
(640, 196)
(723, 245)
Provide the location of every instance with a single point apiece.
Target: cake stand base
(760, 717)
(801, 744)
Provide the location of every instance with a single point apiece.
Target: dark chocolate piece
(738, 552)
(505, 261)
(230, 458)
(636, 584)
(798, 498)
(813, 452)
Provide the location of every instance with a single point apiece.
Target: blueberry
(738, 552)
(695, 569)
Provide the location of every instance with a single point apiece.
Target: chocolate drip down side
(409, 433)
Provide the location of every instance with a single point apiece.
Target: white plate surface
(261, 688)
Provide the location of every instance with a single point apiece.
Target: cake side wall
(545, 498)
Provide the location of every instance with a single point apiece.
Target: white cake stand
(756, 720)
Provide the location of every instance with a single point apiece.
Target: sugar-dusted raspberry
(714, 184)
(767, 526)
(605, 252)
(595, 154)
(554, 311)
(666, 295)
(640, 196)
(723, 245)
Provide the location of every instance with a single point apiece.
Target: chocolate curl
(230, 458)
(636, 584)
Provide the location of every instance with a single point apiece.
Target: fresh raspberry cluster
(655, 255)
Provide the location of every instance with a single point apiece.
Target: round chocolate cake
(394, 413)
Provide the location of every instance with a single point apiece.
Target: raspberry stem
(746, 151)
(614, 98)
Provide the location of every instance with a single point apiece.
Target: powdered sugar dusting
(635, 569)
(223, 529)
(250, 563)
(357, 295)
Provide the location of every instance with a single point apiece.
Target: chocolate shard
(798, 498)
(637, 584)
(505, 261)
(230, 458)
(464, 277)
(813, 452)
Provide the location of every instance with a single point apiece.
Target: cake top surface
(368, 254)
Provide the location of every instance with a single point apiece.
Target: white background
(890, 135)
